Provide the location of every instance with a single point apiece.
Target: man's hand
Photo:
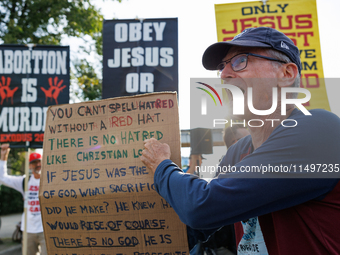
(4, 151)
(154, 153)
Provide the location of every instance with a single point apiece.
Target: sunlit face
(35, 166)
(260, 74)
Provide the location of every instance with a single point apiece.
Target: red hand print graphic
(54, 89)
(5, 91)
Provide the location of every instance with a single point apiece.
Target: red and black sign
(31, 79)
(139, 56)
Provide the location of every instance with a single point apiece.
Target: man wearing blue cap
(287, 211)
(35, 235)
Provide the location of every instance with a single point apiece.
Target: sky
(197, 30)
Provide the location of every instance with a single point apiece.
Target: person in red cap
(35, 235)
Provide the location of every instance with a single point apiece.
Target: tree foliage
(89, 82)
(46, 22)
(11, 201)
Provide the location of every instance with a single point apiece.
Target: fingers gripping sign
(154, 153)
(4, 151)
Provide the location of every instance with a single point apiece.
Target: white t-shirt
(34, 222)
(252, 242)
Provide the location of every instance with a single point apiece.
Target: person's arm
(4, 151)
(238, 199)
(14, 182)
(234, 199)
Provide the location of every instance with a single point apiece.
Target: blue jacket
(240, 195)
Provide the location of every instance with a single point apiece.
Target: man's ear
(289, 73)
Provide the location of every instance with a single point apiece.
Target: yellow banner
(295, 18)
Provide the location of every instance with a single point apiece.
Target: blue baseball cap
(262, 37)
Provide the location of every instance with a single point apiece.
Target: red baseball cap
(35, 156)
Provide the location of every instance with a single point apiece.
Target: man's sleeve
(11, 181)
(234, 199)
(239, 196)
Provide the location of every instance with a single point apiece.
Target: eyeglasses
(240, 61)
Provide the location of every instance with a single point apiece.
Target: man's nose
(227, 72)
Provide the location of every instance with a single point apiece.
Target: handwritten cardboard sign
(96, 195)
